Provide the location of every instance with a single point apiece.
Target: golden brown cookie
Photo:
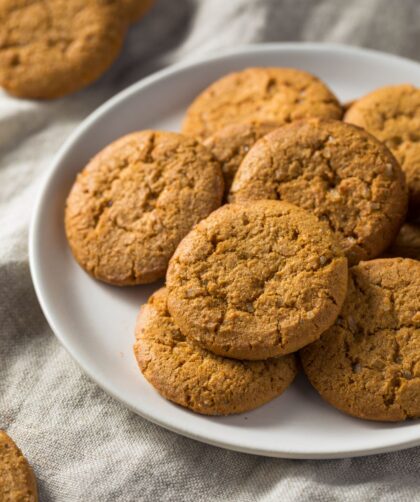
(278, 95)
(50, 49)
(392, 114)
(368, 363)
(135, 200)
(232, 143)
(336, 171)
(17, 480)
(193, 377)
(407, 243)
(255, 281)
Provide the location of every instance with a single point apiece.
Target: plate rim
(193, 60)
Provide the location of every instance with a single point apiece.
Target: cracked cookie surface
(17, 480)
(51, 48)
(392, 114)
(278, 95)
(135, 200)
(368, 363)
(257, 280)
(232, 143)
(336, 171)
(193, 377)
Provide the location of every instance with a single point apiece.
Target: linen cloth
(84, 445)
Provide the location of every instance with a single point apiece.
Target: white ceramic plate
(95, 322)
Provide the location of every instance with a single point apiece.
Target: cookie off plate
(95, 322)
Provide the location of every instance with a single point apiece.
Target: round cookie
(334, 170)
(135, 200)
(230, 145)
(136, 9)
(392, 114)
(50, 49)
(407, 243)
(278, 95)
(195, 378)
(254, 281)
(368, 363)
(17, 480)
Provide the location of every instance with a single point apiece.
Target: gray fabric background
(85, 446)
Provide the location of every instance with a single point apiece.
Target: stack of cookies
(254, 215)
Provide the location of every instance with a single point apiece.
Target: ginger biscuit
(254, 281)
(17, 480)
(193, 377)
(392, 114)
(50, 49)
(278, 95)
(135, 200)
(334, 170)
(368, 363)
(232, 143)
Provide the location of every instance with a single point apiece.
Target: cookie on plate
(193, 377)
(368, 363)
(254, 281)
(336, 171)
(50, 49)
(17, 480)
(392, 114)
(135, 200)
(136, 9)
(407, 243)
(230, 145)
(278, 95)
